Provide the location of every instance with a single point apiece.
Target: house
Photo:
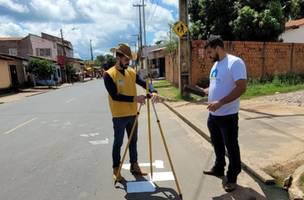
(32, 46)
(294, 31)
(155, 57)
(12, 72)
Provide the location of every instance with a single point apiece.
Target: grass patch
(277, 84)
(167, 90)
(302, 182)
(170, 92)
(262, 89)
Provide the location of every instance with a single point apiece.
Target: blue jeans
(120, 124)
(224, 133)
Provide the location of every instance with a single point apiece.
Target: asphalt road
(57, 146)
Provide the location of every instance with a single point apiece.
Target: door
(14, 76)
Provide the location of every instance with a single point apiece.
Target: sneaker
(135, 170)
(213, 172)
(229, 187)
(116, 175)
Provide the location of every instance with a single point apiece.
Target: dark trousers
(120, 124)
(224, 133)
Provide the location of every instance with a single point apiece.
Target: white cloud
(160, 35)
(107, 23)
(8, 28)
(14, 6)
(171, 2)
(54, 9)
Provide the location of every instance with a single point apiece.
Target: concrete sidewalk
(23, 93)
(270, 132)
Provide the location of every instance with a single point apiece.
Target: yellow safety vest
(126, 85)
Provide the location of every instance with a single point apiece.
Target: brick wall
(172, 71)
(260, 58)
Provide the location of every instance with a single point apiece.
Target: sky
(105, 22)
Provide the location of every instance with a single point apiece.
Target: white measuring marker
(96, 142)
(162, 176)
(140, 186)
(159, 164)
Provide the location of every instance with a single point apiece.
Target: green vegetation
(167, 90)
(277, 84)
(41, 68)
(302, 182)
(242, 19)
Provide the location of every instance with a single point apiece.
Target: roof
(10, 38)
(292, 24)
(10, 57)
(5, 58)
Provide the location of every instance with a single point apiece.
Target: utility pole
(91, 49)
(140, 35)
(144, 23)
(145, 38)
(64, 56)
(184, 50)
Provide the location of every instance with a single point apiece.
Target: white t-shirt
(223, 76)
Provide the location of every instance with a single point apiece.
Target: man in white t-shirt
(227, 83)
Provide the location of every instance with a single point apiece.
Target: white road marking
(20, 125)
(140, 186)
(159, 164)
(70, 100)
(162, 176)
(89, 135)
(96, 142)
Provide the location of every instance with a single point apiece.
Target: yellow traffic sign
(180, 28)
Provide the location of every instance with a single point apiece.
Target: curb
(294, 191)
(259, 174)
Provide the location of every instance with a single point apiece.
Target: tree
(106, 61)
(43, 69)
(259, 20)
(212, 17)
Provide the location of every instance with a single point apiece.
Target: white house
(294, 31)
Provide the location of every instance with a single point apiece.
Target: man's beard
(123, 66)
(216, 58)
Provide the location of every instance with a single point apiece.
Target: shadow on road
(241, 193)
(160, 193)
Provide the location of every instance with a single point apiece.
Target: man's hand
(155, 98)
(140, 99)
(214, 106)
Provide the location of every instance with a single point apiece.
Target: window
(12, 51)
(43, 52)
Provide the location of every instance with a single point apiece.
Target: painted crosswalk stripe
(159, 164)
(162, 176)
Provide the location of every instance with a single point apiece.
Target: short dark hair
(214, 41)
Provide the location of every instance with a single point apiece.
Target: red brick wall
(260, 58)
(172, 71)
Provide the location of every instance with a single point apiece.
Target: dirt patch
(280, 171)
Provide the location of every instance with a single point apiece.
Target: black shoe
(229, 187)
(213, 172)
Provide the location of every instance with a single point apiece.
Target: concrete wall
(38, 42)
(5, 80)
(294, 35)
(6, 45)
